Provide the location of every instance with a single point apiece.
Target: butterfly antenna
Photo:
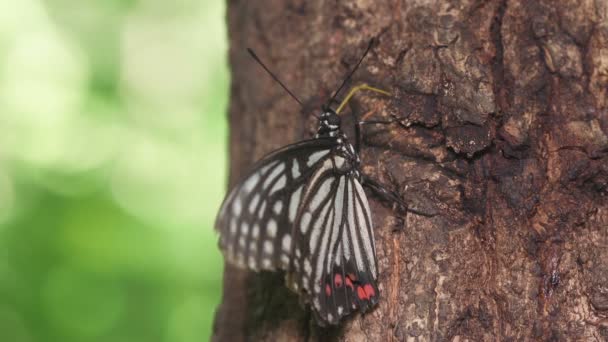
(369, 47)
(257, 59)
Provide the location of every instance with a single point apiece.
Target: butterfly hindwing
(256, 218)
(334, 261)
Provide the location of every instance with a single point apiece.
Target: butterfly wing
(255, 219)
(334, 263)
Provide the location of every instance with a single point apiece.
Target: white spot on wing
(225, 205)
(273, 174)
(286, 243)
(277, 207)
(327, 165)
(345, 245)
(280, 184)
(262, 210)
(305, 222)
(233, 226)
(321, 194)
(266, 167)
(305, 282)
(362, 196)
(251, 262)
(295, 169)
(267, 263)
(339, 204)
(237, 207)
(254, 203)
(272, 228)
(307, 267)
(345, 242)
(284, 260)
(339, 161)
(313, 158)
(244, 228)
(240, 260)
(268, 247)
(367, 232)
(256, 231)
(332, 228)
(352, 230)
(339, 256)
(251, 182)
(317, 227)
(294, 203)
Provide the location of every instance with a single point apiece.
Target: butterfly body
(303, 210)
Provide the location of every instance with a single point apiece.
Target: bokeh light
(112, 168)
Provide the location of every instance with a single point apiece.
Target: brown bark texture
(503, 136)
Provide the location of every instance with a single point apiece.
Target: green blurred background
(112, 167)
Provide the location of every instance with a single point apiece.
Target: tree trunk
(503, 134)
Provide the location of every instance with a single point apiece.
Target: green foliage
(112, 168)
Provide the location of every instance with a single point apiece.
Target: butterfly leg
(384, 193)
(379, 189)
(368, 122)
(391, 197)
(352, 92)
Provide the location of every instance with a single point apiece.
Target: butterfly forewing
(256, 218)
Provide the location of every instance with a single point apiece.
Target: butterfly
(302, 209)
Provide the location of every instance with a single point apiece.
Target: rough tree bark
(504, 135)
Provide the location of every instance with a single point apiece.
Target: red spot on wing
(338, 280)
(369, 290)
(349, 283)
(327, 290)
(361, 293)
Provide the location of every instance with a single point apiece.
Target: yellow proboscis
(356, 89)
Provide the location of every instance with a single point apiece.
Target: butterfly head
(329, 123)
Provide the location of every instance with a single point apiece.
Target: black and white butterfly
(302, 209)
